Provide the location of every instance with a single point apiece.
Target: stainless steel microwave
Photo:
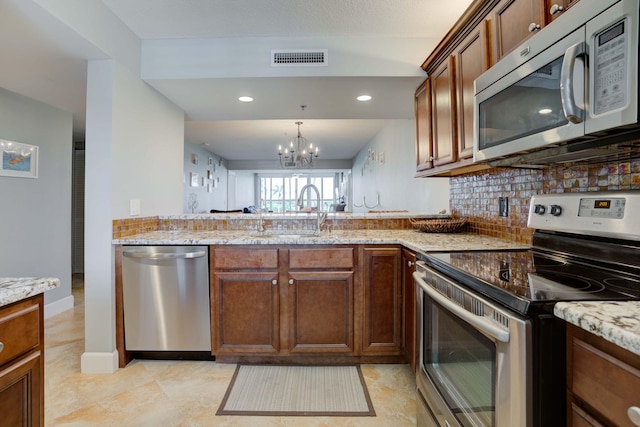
(565, 91)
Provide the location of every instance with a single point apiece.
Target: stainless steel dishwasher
(166, 298)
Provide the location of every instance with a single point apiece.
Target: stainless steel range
(491, 351)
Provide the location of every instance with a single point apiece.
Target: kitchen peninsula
(273, 276)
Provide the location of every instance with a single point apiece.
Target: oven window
(530, 106)
(461, 363)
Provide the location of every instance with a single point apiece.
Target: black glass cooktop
(521, 279)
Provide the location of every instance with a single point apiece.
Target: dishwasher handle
(163, 255)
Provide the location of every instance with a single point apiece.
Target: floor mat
(297, 391)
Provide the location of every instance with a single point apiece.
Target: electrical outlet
(503, 206)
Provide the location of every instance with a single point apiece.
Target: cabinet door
(245, 312)
(321, 311)
(409, 307)
(382, 301)
(512, 24)
(471, 59)
(555, 8)
(21, 398)
(424, 153)
(443, 120)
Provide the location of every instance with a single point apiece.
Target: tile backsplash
(475, 195)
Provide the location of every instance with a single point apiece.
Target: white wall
(148, 135)
(393, 178)
(134, 141)
(217, 198)
(35, 214)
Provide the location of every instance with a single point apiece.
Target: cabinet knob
(291, 281)
(533, 27)
(634, 415)
(410, 263)
(274, 282)
(556, 8)
(1, 346)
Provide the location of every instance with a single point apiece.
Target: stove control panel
(610, 214)
(602, 208)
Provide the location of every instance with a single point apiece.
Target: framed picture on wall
(194, 179)
(194, 159)
(209, 174)
(210, 161)
(18, 160)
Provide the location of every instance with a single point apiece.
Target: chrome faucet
(300, 202)
(322, 216)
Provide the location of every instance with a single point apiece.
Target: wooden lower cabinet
(321, 312)
(246, 312)
(382, 328)
(603, 381)
(409, 308)
(307, 304)
(282, 301)
(245, 301)
(22, 364)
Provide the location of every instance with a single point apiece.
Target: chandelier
(299, 153)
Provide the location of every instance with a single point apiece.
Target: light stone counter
(617, 322)
(13, 289)
(412, 239)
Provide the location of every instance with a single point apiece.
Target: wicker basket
(438, 225)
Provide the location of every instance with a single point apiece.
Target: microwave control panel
(610, 68)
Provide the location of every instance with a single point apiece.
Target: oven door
(472, 371)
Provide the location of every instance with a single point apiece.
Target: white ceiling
(53, 68)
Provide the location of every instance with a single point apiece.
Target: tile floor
(181, 393)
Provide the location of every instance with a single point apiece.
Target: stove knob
(539, 209)
(555, 210)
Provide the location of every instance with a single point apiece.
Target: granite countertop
(13, 289)
(415, 240)
(617, 322)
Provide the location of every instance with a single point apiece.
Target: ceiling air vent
(299, 58)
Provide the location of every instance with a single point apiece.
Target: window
(280, 193)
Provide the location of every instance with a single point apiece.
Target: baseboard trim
(58, 306)
(99, 363)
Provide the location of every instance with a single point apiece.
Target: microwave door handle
(480, 322)
(572, 112)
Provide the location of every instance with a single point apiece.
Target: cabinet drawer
(19, 330)
(604, 382)
(321, 258)
(244, 258)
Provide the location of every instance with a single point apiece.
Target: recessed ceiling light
(545, 111)
(245, 99)
(364, 98)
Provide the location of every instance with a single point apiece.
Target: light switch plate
(134, 207)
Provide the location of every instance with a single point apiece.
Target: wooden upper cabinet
(471, 60)
(555, 8)
(513, 22)
(424, 154)
(443, 106)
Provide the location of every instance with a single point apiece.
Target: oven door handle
(480, 322)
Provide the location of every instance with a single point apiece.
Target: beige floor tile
(181, 393)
